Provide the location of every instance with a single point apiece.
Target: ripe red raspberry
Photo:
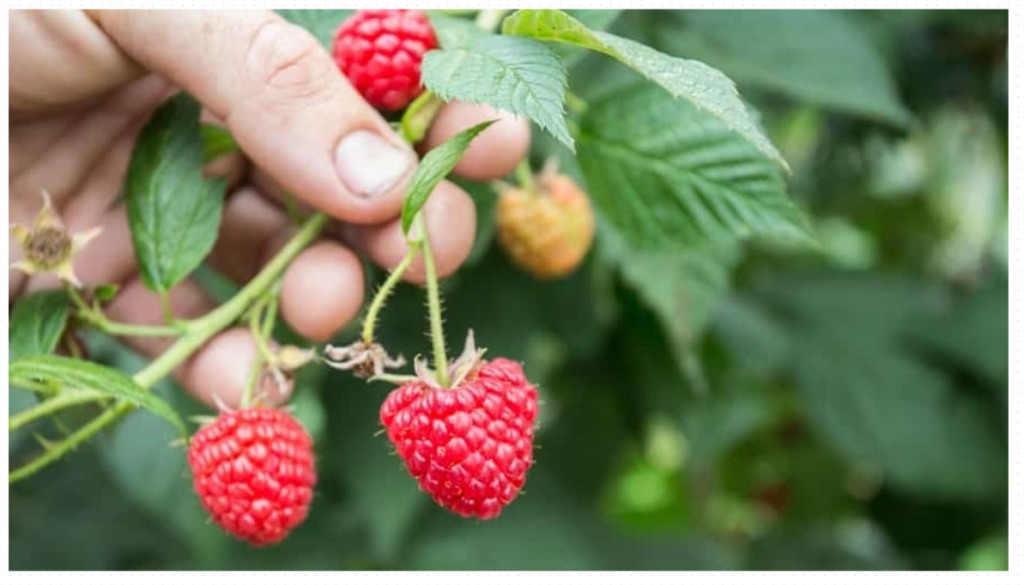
(380, 52)
(253, 470)
(469, 446)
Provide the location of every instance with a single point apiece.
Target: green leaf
(105, 293)
(217, 142)
(322, 23)
(669, 175)
(784, 51)
(860, 399)
(434, 167)
(974, 334)
(36, 324)
(852, 545)
(592, 19)
(173, 212)
(703, 86)
(681, 288)
(518, 75)
(453, 32)
(83, 375)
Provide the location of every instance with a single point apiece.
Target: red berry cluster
(253, 470)
(469, 447)
(380, 52)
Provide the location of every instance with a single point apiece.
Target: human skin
(83, 83)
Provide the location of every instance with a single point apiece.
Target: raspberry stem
(60, 402)
(165, 304)
(95, 318)
(202, 329)
(524, 175)
(434, 306)
(370, 322)
(256, 320)
(489, 20)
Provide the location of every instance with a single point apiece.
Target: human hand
(82, 86)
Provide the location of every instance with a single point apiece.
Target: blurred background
(769, 409)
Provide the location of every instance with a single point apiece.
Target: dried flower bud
(48, 246)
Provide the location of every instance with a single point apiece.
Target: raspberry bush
(743, 306)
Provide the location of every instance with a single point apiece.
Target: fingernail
(370, 165)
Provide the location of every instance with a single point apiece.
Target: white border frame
(1015, 75)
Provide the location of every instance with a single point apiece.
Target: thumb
(283, 98)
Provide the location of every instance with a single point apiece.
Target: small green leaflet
(673, 186)
(36, 324)
(704, 86)
(217, 142)
(105, 293)
(174, 213)
(515, 74)
(434, 167)
(83, 375)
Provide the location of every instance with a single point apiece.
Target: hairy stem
(434, 306)
(259, 357)
(80, 436)
(370, 322)
(51, 405)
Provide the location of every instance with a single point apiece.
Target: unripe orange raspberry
(547, 232)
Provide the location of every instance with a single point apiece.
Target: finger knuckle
(288, 64)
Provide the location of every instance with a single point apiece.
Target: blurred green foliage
(843, 408)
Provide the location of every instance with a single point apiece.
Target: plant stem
(198, 333)
(256, 329)
(524, 175)
(97, 319)
(81, 435)
(202, 329)
(419, 116)
(51, 405)
(258, 358)
(489, 20)
(576, 104)
(270, 316)
(165, 303)
(370, 322)
(434, 306)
